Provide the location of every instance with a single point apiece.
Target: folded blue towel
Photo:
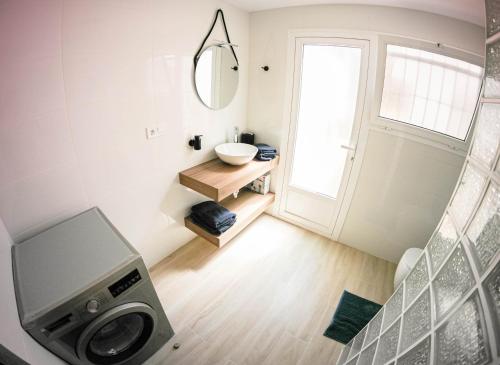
(265, 148)
(266, 152)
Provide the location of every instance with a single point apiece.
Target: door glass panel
(328, 94)
(117, 336)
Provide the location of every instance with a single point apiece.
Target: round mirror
(216, 77)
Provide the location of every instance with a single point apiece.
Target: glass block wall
(447, 310)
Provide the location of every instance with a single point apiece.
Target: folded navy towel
(212, 215)
(265, 148)
(265, 152)
(265, 157)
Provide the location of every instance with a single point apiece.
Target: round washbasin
(236, 153)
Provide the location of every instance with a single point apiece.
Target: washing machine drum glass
(117, 335)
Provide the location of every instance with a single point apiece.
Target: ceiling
(469, 10)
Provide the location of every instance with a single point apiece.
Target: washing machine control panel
(125, 283)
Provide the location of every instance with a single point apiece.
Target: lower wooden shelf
(247, 207)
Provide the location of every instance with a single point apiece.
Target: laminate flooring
(263, 299)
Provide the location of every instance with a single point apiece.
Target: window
(430, 90)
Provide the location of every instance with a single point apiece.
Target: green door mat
(351, 316)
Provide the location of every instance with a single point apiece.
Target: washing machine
(84, 293)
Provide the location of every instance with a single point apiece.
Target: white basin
(236, 153)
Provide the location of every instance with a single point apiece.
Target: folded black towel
(212, 215)
(208, 221)
(265, 148)
(216, 231)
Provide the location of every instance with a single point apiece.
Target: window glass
(430, 90)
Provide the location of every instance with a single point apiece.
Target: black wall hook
(265, 68)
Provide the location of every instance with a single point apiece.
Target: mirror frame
(202, 48)
(217, 102)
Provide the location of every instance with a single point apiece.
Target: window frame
(403, 127)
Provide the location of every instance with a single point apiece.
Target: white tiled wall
(81, 80)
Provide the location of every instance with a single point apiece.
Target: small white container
(261, 185)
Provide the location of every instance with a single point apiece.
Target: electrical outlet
(152, 132)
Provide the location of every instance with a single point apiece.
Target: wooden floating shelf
(247, 207)
(218, 180)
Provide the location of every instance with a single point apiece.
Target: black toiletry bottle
(248, 138)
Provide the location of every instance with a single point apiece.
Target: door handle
(349, 148)
(345, 147)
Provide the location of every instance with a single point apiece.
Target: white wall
(12, 336)
(400, 196)
(384, 218)
(81, 80)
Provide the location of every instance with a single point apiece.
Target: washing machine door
(117, 335)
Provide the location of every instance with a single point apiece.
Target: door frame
(361, 125)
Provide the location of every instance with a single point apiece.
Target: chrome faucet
(236, 137)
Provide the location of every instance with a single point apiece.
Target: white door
(329, 84)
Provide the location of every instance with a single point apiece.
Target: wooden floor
(263, 299)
